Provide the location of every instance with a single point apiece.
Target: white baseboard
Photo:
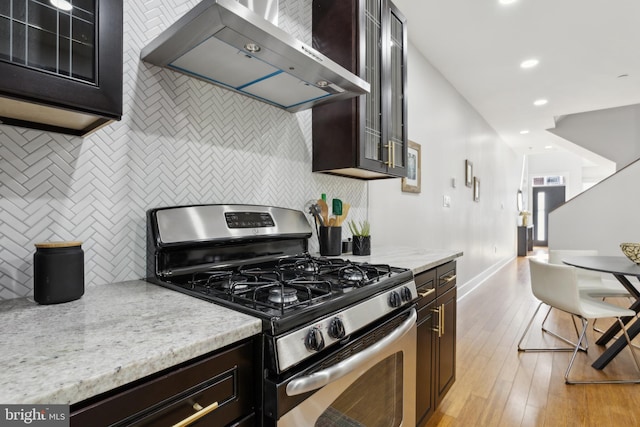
(471, 285)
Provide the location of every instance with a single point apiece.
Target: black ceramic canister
(58, 272)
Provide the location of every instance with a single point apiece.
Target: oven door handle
(339, 370)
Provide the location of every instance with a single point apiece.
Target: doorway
(545, 199)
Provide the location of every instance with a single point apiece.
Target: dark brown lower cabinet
(224, 377)
(436, 346)
(425, 402)
(445, 362)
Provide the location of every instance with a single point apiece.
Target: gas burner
(353, 274)
(243, 283)
(235, 285)
(303, 265)
(306, 267)
(282, 295)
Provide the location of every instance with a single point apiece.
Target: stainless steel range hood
(225, 43)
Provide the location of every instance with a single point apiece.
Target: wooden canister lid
(47, 245)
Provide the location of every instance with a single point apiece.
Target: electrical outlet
(446, 201)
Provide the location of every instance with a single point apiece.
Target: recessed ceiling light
(524, 131)
(252, 47)
(539, 102)
(507, 1)
(529, 63)
(61, 4)
(548, 147)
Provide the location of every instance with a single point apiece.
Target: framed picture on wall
(476, 189)
(468, 173)
(411, 183)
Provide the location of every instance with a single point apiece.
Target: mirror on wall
(519, 201)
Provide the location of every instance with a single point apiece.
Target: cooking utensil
(343, 215)
(324, 211)
(336, 207)
(315, 210)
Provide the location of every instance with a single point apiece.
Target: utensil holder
(330, 239)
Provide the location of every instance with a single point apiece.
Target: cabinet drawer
(426, 286)
(446, 277)
(224, 377)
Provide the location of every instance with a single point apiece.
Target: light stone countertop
(116, 333)
(417, 259)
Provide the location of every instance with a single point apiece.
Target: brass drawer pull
(449, 278)
(195, 417)
(429, 292)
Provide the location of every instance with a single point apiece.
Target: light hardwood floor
(498, 386)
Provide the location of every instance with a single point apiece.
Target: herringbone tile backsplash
(180, 141)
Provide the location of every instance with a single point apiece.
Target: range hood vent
(225, 43)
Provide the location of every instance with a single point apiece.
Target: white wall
(612, 133)
(556, 163)
(180, 141)
(600, 218)
(449, 131)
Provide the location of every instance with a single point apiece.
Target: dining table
(622, 268)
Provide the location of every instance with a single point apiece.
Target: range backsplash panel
(181, 141)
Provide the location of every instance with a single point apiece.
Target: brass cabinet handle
(449, 278)
(438, 328)
(195, 417)
(389, 158)
(429, 292)
(393, 154)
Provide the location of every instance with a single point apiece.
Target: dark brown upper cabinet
(61, 69)
(365, 137)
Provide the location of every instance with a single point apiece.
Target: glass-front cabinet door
(397, 123)
(59, 40)
(385, 136)
(373, 75)
(62, 55)
(365, 137)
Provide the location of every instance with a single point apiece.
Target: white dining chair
(557, 286)
(591, 282)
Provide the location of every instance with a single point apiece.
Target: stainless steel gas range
(338, 342)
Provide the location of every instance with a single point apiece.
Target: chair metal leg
(575, 327)
(573, 345)
(626, 336)
(600, 331)
(575, 352)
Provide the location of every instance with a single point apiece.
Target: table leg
(615, 327)
(621, 342)
(616, 347)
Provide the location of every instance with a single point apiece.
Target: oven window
(373, 400)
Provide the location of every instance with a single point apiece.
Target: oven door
(373, 387)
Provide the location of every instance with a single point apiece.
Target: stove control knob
(394, 299)
(336, 328)
(405, 293)
(314, 340)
